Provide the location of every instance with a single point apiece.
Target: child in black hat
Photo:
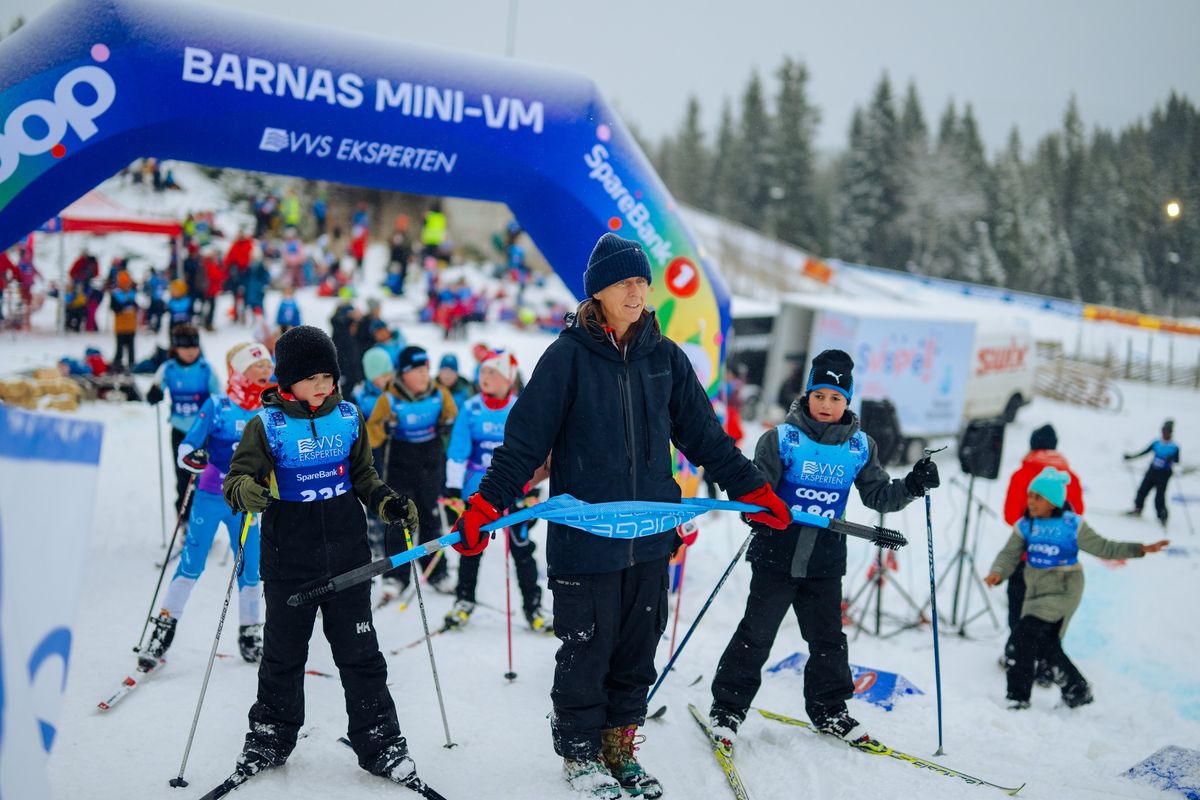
(410, 422)
(304, 463)
(811, 461)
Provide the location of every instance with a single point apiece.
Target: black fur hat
(302, 352)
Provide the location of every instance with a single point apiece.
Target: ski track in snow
(1129, 638)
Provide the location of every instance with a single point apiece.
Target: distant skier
(190, 381)
(206, 450)
(1166, 453)
(304, 463)
(478, 431)
(812, 460)
(1051, 536)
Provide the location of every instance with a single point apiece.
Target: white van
(1002, 370)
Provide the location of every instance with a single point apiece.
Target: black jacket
(608, 421)
(806, 552)
(308, 540)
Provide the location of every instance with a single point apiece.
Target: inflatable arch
(89, 86)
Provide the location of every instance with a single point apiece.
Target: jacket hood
(401, 392)
(298, 408)
(1046, 458)
(822, 432)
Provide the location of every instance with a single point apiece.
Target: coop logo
(1045, 549)
(54, 117)
(805, 493)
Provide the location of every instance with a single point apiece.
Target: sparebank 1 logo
(56, 115)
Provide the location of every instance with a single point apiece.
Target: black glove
(155, 395)
(402, 510)
(253, 498)
(923, 477)
(389, 427)
(452, 493)
(1129, 456)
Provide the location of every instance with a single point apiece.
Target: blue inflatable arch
(89, 86)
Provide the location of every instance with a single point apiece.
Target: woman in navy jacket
(605, 402)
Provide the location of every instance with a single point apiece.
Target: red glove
(479, 512)
(777, 515)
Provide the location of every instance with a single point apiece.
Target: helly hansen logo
(362, 627)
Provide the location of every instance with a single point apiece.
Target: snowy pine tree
(795, 212)
(752, 170)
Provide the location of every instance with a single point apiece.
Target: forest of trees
(1080, 215)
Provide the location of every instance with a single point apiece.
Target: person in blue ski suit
(478, 431)
(812, 460)
(288, 315)
(206, 451)
(1166, 453)
(190, 381)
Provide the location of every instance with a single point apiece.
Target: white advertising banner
(922, 366)
(48, 471)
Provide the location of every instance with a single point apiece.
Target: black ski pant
(608, 625)
(124, 348)
(818, 606)
(416, 470)
(182, 476)
(1155, 479)
(522, 548)
(1016, 598)
(276, 717)
(1038, 639)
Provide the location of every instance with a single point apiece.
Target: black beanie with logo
(831, 370)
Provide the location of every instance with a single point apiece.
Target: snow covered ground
(1133, 638)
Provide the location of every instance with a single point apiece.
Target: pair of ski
(129, 684)
(724, 755)
(414, 784)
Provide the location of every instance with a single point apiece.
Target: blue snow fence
(1172, 769)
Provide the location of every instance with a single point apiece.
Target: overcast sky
(1017, 61)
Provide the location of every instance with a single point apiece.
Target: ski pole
(662, 675)
(510, 675)
(937, 658)
(678, 597)
(187, 496)
(162, 490)
(178, 781)
(437, 685)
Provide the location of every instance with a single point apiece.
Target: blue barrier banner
(876, 686)
(87, 87)
(48, 471)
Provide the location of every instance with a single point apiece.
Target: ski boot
(1074, 697)
(460, 614)
(160, 640)
(618, 748)
(1017, 705)
(591, 778)
(838, 722)
(1133, 512)
(395, 764)
(540, 620)
(724, 725)
(250, 643)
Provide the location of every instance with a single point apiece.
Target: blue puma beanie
(832, 370)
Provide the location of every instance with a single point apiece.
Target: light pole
(1173, 209)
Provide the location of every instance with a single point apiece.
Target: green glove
(253, 497)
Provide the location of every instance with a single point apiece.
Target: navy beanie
(302, 352)
(449, 360)
(412, 357)
(1044, 438)
(831, 370)
(614, 259)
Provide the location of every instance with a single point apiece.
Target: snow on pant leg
(522, 549)
(739, 672)
(827, 681)
(1030, 641)
(468, 577)
(182, 476)
(346, 620)
(1016, 598)
(587, 611)
(1160, 493)
(1064, 672)
(1143, 490)
(278, 713)
(643, 619)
